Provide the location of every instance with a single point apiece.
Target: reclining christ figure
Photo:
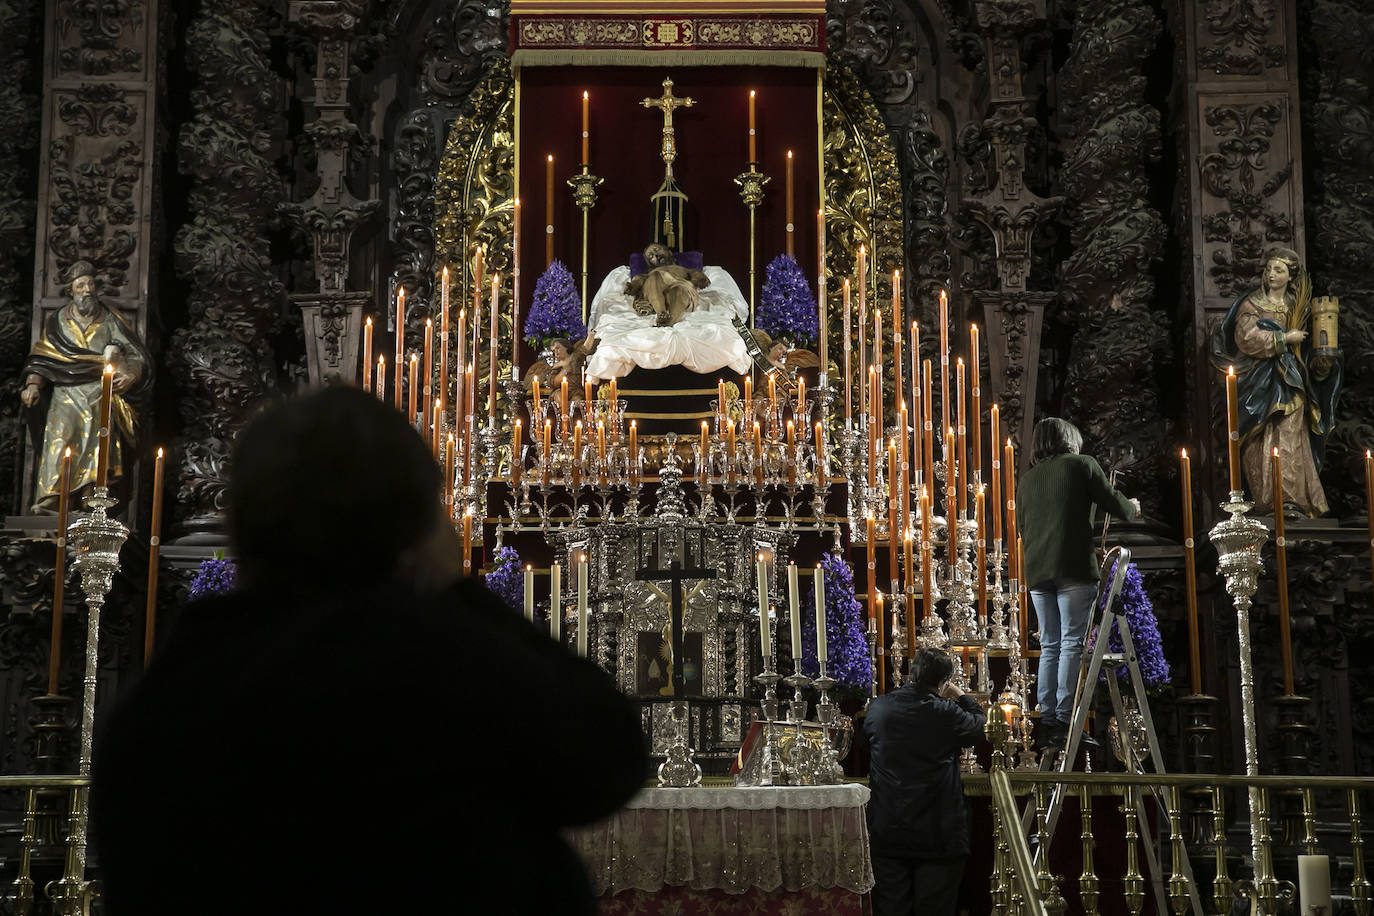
(667, 315)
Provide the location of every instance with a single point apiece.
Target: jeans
(1064, 607)
(916, 887)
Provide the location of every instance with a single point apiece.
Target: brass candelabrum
(751, 184)
(584, 185)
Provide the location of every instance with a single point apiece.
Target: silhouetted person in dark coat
(354, 729)
(917, 822)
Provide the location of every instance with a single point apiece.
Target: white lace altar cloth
(770, 838)
(703, 341)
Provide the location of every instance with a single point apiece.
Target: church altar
(783, 849)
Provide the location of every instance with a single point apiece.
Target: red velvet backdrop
(712, 144)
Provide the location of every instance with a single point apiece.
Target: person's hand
(122, 381)
(1294, 337)
(951, 691)
(1135, 504)
(29, 395)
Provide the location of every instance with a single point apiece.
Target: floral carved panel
(1249, 200)
(1241, 37)
(101, 38)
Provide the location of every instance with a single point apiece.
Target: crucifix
(666, 103)
(675, 574)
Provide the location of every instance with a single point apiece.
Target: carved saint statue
(666, 289)
(66, 364)
(1287, 387)
(568, 360)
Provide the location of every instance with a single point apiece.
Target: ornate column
(97, 165)
(1010, 212)
(333, 316)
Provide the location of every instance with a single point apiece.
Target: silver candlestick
(97, 540)
(1238, 540)
(679, 770)
(828, 770)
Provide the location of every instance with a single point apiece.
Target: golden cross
(666, 103)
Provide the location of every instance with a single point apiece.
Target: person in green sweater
(1055, 506)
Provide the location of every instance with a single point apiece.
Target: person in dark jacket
(918, 825)
(1055, 503)
(355, 729)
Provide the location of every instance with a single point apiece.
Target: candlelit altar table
(765, 850)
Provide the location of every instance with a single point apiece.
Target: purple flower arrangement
(216, 576)
(556, 311)
(506, 579)
(1140, 616)
(847, 658)
(787, 305)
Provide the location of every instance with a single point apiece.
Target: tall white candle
(529, 592)
(1314, 884)
(765, 638)
(820, 614)
(556, 602)
(794, 614)
(582, 606)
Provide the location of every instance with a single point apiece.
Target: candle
(758, 451)
(976, 389)
(905, 488)
(634, 451)
(820, 453)
(926, 564)
(535, 407)
(614, 407)
(819, 585)
(909, 569)
(399, 362)
(586, 128)
(435, 424)
(563, 406)
(59, 581)
(1369, 504)
(960, 455)
(875, 403)
(1314, 885)
(476, 354)
(443, 341)
(495, 311)
(791, 452)
(944, 360)
(1233, 433)
(428, 366)
(820, 292)
(467, 543)
(981, 556)
(545, 456)
(765, 640)
(576, 452)
(893, 482)
(951, 488)
(516, 459)
(468, 422)
(995, 436)
(848, 401)
(601, 440)
(556, 602)
(871, 556)
(529, 593)
(515, 292)
(753, 157)
(878, 649)
(588, 394)
(863, 323)
(548, 211)
(460, 392)
(102, 461)
(1190, 574)
(772, 393)
(927, 426)
(730, 450)
(381, 379)
(413, 403)
(154, 545)
(704, 454)
(367, 354)
(1009, 472)
(582, 606)
(1281, 575)
(801, 399)
(915, 394)
(450, 447)
(795, 616)
(787, 203)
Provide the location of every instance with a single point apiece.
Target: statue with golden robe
(64, 369)
(1288, 382)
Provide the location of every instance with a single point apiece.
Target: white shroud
(704, 340)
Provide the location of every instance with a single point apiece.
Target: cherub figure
(568, 359)
(666, 289)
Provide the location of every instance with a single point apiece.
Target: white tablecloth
(734, 839)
